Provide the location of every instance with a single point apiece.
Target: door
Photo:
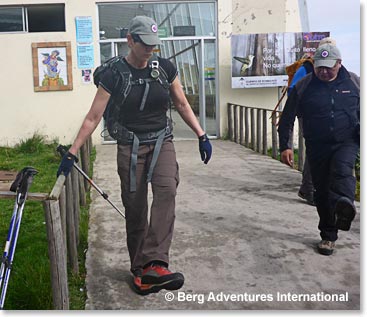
(187, 30)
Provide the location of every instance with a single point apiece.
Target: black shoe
(308, 197)
(345, 211)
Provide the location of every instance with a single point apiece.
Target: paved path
(240, 231)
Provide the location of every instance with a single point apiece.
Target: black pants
(307, 185)
(332, 167)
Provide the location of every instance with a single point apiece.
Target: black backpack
(123, 86)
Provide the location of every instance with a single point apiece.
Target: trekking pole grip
(62, 149)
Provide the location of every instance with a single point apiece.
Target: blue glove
(205, 148)
(66, 164)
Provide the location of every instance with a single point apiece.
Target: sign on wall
(84, 30)
(85, 55)
(259, 60)
(52, 66)
(84, 39)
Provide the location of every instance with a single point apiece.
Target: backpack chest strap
(146, 81)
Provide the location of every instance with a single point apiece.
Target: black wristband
(72, 156)
(203, 138)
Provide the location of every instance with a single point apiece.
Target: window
(173, 19)
(46, 18)
(11, 20)
(36, 18)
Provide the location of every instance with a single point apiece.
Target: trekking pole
(62, 150)
(4, 259)
(21, 186)
(284, 91)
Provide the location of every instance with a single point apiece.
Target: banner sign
(259, 60)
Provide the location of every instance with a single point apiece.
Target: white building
(196, 36)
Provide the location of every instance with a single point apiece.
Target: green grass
(30, 283)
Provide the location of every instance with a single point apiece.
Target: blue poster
(84, 30)
(85, 54)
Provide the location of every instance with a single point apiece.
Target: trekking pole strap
(22, 182)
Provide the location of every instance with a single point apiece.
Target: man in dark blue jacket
(327, 100)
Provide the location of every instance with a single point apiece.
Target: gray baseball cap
(326, 56)
(146, 28)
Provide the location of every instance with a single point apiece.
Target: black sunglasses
(137, 39)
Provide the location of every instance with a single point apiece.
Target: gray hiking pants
(151, 241)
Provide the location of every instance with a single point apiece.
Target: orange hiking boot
(156, 277)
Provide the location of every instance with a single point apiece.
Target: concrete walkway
(243, 240)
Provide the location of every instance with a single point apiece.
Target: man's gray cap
(326, 56)
(146, 28)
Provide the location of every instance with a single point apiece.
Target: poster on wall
(259, 60)
(84, 30)
(87, 76)
(52, 66)
(85, 54)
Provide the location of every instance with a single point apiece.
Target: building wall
(59, 114)
(250, 16)
(55, 114)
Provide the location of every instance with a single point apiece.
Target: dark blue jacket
(330, 110)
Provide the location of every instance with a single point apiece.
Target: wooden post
(230, 122)
(90, 146)
(258, 130)
(56, 190)
(62, 204)
(265, 132)
(76, 202)
(70, 224)
(252, 127)
(241, 126)
(85, 162)
(235, 123)
(274, 136)
(56, 251)
(82, 195)
(246, 128)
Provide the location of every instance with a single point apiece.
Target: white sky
(342, 19)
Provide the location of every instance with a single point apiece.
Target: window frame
(24, 20)
(25, 17)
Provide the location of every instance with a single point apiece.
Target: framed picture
(52, 67)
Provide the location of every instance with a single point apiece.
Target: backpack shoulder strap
(121, 67)
(302, 84)
(355, 79)
(163, 77)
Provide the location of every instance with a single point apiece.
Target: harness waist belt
(137, 139)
